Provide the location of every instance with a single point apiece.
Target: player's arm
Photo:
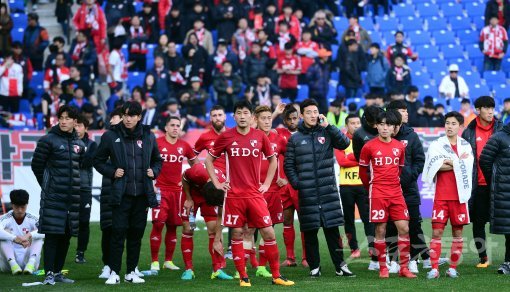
(338, 139)
(364, 160)
(447, 165)
(4, 235)
(488, 156)
(345, 160)
(40, 158)
(186, 188)
(271, 170)
(102, 156)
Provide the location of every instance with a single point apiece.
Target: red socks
(435, 252)
(217, 259)
(170, 242)
(380, 247)
(273, 257)
(404, 246)
(456, 251)
(187, 250)
(289, 236)
(262, 254)
(238, 255)
(155, 239)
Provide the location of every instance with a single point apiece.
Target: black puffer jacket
(414, 161)
(364, 134)
(56, 165)
(495, 165)
(105, 215)
(112, 147)
(86, 170)
(309, 166)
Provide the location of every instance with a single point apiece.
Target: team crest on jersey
(273, 145)
(212, 143)
(267, 219)
(321, 140)
(461, 217)
(179, 149)
(396, 151)
(76, 148)
(139, 143)
(406, 212)
(405, 142)
(253, 143)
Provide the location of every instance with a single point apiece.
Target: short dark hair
(397, 104)
(212, 195)
(370, 114)
(82, 120)
(412, 88)
(19, 197)
(217, 107)
(289, 109)
(33, 16)
(466, 100)
(243, 104)
(506, 99)
(131, 108)
(172, 118)
(71, 111)
(456, 115)
(59, 39)
(375, 45)
(350, 116)
(390, 117)
(485, 101)
(306, 103)
(116, 112)
(399, 32)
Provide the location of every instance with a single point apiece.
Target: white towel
(441, 150)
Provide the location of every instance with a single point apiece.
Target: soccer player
(385, 157)
(244, 199)
(173, 151)
(449, 161)
(194, 180)
(290, 196)
(20, 243)
(207, 139)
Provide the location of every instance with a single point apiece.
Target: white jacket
(448, 87)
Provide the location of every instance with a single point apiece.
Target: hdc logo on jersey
(385, 161)
(396, 151)
(253, 143)
(461, 217)
(244, 152)
(321, 140)
(267, 219)
(139, 143)
(172, 158)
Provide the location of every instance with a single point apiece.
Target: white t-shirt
(9, 229)
(117, 66)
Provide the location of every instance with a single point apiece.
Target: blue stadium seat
(464, 65)
(505, 65)
(419, 37)
(494, 77)
(420, 78)
(435, 65)
(138, 6)
(436, 23)
(375, 36)
(444, 37)
(416, 66)
(19, 20)
(367, 23)
(468, 36)
(135, 79)
(357, 100)
(17, 34)
(125, 51)
(335, 75)
(452, 51)
(302, 93)
(439, 75)
(24, 106)
(427, 9)
(150, 56)
(334, 51)
(474, 8)
(230, 122)
(478, 63)
(479, 22)
(37, 82)
(427, 52)
(428, 89)
(459, 22)
(501, 92)
(451, 9)
(477, 90)
(340, 23)
(387, 23)
(403, 9)
(389, 36)
(16, 5)
(473, 51)
(411, 23)
(471, 77)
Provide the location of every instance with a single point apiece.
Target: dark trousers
(10, 103)
(491, 64)
(383, 3)
(377, 90)
(479, 213)
(418, 244)
(351, 92)
(322, 101)
(507, 247)
(84, 231)
(55, 250)
(128, 225)
(333, 240)
(106, 239)
(290, 93)
(356, 196)
(352, 8)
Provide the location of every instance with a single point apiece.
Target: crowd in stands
(181, 57)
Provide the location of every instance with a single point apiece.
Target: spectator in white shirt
(11, 84)
(453, 85)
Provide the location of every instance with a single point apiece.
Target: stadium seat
(125, 51)
(501, 92)
(138, 6)
(444, 37)
(420, 78)
(334, 51)
(471, 77)
(340, 23)
(24, 106)
(451, 9)
(367, 23)
(375, 36)
(404, 9)
(135, 79)
(428, 89)
(436, 23)
(389, 36)
(427, 9)
(438, 76)
(387, 23)
(16, 5)
(494, 77)
(468, 36)
(427, 52)
(419, 37)
(302, 93)
(460, 22)
(474, 8)
(479, 22)
(478, 63)
(230, 122)
(452, 51)
(477, 90)
(505, 65)
(357, 100)
(435, 65)
(416, 66)
(17, 34)
(411, 23)
(455, 104)
(464, 64)
(19, 20)
(473, 51)
(37, 82)
(150, 56)
(335, 75)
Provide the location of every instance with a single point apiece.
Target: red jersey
(294, 26)
(244, 159)
(385, 161)
(289, 63)
(493, 39)
(197, 175)
(446, 184)
(482, 136)
(172, 155)
(279, 146)
(285, 135)
(206, 142)
(306, 62)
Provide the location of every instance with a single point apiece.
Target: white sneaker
(413, 267)
(133, 278)
(427, 264)
(373, 266)
(105, 273)
(155, 266)
(452, 273)
(138, 273)
(170, 265)
(394, 267)
(114, 279)
(433, 274)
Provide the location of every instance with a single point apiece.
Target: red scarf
(78, 50)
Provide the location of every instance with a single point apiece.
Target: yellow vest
(349, 176)
(341, 121)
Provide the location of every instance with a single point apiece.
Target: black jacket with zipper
(362, 135)
(310, 168)
(113, 148)
(86, 170)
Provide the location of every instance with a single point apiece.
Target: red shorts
(169, 211)
(240, 211)
(453, 210)
(290, 198)
(392, 209)
(209, 213)
(274, 205)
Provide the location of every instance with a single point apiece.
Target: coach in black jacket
(135, 162)
(495, 165)
(56, 166)
(309, 166)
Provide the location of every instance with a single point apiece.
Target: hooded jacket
(362, 136)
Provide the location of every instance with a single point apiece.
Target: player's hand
(281, 182)
(280, 108)
(324, 122)
(119, 173)
(188, 205)
(150, 173)
(448, 162)
(263, 188)
(218, 247)
(223, 186)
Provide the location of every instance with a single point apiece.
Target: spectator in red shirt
(294, 25)
(57, 73)
(399, 48)
(24, 62)
(267, 46)
(137, 39)
(284, 36)
(493, 44)
(90, 17)
(308, 51)
(289, 67)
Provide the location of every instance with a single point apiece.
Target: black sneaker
(504, 268)
(63, 279)
(344, 271)
(80, 257)
(50, 279)
(315, 273)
